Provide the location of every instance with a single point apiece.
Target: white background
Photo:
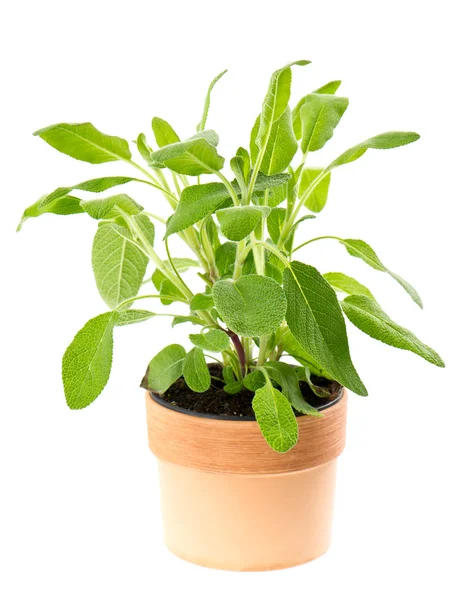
(79, 502)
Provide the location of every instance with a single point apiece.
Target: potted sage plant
(247, 421)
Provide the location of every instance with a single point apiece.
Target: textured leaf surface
(254, 380)
(103, 208)
(291, 346)
(163, 132)
(118, 265)
(281, 146)
(196, 372)
(225, 258)
(202, 124)
(213, 340)
(84, 142)
(369, 317)
(133, 315)
(165, 368)
(238, 222)
(316, 321)
(276, 418)
(319, 195)
(287, 379)
(361, 249)
(383, 141)
(87, 361)
(195, 156)
(349, 285)
(328, 88)
(201, 302)
(320, 114)
(253, 305)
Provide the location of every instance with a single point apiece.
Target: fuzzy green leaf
(133, 315)
(66, 205)
(165, 368)
(291, 346)
(318, 197)
(225, 258)
(287, 379)
(281, 146)
(143, 148)
(163, 133)
(194, 156)
(196, 372)
(201, 302)
(238, 222)
(361, 249)
(328, 88)
(84, 142)
(368, 316)
(320, 114)
(214, 340)
(346, 284)
(202, 124)
(316, 321)
(276, 418)
(87, 361)
(103, 208)
(253, 305)
(254, 380)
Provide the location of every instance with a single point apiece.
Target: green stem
(229, 187)
(153, 216)
(174, 269)
(262, 350)
(154, 182)
(322, 237)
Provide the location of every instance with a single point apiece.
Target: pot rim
(179, 409)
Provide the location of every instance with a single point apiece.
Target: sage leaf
(275, 222)
(201, 302)
(165, 368)
(195, 156)
(319, 195)
(254, 380)
(383, 141)
(87, 361)
(133, 315)
(316, 321)
(366, 314)
(196, 371)
(320, 114)
(291, 346)
(65, 205)
(275, 418)
(118, 265)
(281, 146)
(328, 88)
(202, 124)
(163, 132)
(253, 305)
(286, 377)
(361, 249)
(143, 148)
(346, 284)
(225, 258)
(179, 320)
(83, 141)
(167, 290)
(239, 221)
(214, 340)
(103, 208)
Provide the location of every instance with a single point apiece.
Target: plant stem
(229, 187)
(322, 237)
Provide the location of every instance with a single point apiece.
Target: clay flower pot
(231, 502)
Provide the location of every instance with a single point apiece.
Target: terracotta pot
(230, 502)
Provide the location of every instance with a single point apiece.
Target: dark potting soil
(217, 402)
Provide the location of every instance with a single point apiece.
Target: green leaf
(238, 222)
(361, 249)
(320, 115)
(163, 132)
(225, 258)
(319, 195)
(368, 316)
(233, 388)
(254, 380)
(133, 315)
(103, 208)
(228, 375)
(286, 377)
(291, 346)
(165, 368)
(84, 142)
(281, 146)
(319, 391)
(179, 320)
(241, 167)
(196, 203)
(202, 124)
(66, 205)
(214, 340)
(316, 321)
(275, 222)
(87, 361)
(253, 305)
(201, 302)
(195, 156)
(276, 418)
(165, 287)
(276, 100)
(271, 182)
(346, 284)
(383, 141)
(143, 148)
(119, 266)
(328, 88)
(196, 372)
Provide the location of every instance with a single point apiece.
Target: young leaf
(368, 316)
(66, 205)
(318, 197)
(225, 258)
(276, 418)
(315, 319)
(196, 372)
(328, 88)
(87, 361)
(84, 142)
(320, 114)
(254, 380)
(104, 208)
(287, 379)
(194, 156)
(346, 284)
(281, 146)
(214, 340)
(275, 222)
(241, 167)
(179, 320)
(165, 368)
(118, 265)
(201, 302)
(383, 141)
(163, 132)
(133, 315)
(239, 221)
(143, 147)
(196, 202)
(202, 124)
(253, 305)
(291, 346)
(361, 249)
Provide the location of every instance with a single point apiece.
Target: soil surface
(217, 402)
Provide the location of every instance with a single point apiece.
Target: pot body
(231, 502)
